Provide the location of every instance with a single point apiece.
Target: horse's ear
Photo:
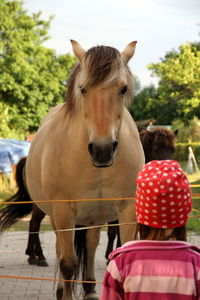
(176, 132)
(128, 51)
(78, 50)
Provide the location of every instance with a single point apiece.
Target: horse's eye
(124, 90)
(83, 90)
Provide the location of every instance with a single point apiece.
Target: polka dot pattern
(163, 196)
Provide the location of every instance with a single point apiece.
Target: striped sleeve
(112, 288)
(198, 283)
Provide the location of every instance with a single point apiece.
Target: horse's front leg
(92, 241)
(63, 219)
(127, 215)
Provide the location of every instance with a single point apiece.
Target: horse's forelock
(99, 62)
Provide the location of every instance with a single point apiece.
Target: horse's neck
(59, 117)
(70, 129)
(52, 113)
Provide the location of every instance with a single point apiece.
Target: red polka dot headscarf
(163, 196)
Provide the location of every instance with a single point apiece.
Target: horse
(158, 144)
(85, 148)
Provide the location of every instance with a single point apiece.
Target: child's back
(146, 270)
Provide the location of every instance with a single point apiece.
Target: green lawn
(20, 225)
(194, 222)
(24, 226)
(5, 194)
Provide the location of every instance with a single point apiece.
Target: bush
(182, 151)
(187, 133)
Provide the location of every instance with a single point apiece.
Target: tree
(178, 93)
(32, 77)
(187, 133)
(143, 106)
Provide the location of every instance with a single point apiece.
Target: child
(162, 265)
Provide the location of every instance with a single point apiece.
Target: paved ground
(13, 261)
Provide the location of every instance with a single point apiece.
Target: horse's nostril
(90, 148)
(115, 144)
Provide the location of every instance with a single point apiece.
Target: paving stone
(13, 262)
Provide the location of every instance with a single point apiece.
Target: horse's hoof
(42, 263)
(32, 261)
(92, 296)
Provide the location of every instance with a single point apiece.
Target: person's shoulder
(195, 250)
(130, 246)
(154, 245)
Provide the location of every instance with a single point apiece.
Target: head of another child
(163, 201)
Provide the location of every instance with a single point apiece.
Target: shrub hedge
(182, 151)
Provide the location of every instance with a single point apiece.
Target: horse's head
(100, 86)
(158, 143)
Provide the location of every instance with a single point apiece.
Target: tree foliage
(32, 77)
(178, 93)
(143, 107)
(187, 133)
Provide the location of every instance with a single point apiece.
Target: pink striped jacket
(150, 270)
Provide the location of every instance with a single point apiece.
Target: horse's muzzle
(102, 155)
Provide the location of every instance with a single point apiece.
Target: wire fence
(194, 196)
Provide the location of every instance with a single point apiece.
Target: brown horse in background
(85, 148)
(158, 144)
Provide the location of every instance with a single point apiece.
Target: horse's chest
(84, 183)
(98, 212)
(101, 185)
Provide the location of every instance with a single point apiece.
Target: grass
(24, 226)
(8, 188)
(5, 194)
(193, 223)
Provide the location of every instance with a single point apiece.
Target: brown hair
(159, 234)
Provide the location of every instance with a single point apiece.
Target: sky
(158, 26)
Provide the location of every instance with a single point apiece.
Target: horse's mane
(156, 140)
(102, 64)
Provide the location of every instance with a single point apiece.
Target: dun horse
(159, 144)
(86, 148)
